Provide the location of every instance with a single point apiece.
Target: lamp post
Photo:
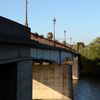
(26, 19)
(65, 36)
(70, 40)
(54, 21)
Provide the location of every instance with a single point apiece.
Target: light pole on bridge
(70, 41)
(65, 36)
(26, 19)
(54, 21)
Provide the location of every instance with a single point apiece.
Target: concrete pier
(24, 80)
(75, 68)
(52, 82)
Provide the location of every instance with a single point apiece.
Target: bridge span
(59, 53)
(31, 67)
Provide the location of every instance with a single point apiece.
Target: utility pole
(26, 19)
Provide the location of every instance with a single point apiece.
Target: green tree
(94, 49)
(42, 36)
(80, 45)
(64, 42)
(50, 35)
(36, 34)
(90, 55)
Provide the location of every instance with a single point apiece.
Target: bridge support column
(52, 82)
(75, 68)
(24, 80)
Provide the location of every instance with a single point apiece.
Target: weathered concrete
(13, 30)
(24, 80)
(12, 51)
(52, 82)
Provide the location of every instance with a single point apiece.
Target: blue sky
(80, 18)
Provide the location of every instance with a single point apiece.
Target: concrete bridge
(31, 67)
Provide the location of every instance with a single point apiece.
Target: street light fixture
(54, 21)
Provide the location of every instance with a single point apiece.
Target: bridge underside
(57, 55)
(51, 54)
(8, 81)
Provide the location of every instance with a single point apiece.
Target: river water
(87, 88)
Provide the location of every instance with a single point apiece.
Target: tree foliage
(90, 55)
(80, 45)
(50, 35)
(64, 42)
(42, 36)
(36, 34)
(92, 51)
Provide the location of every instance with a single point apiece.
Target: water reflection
(87, 88)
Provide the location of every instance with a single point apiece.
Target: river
(87, 88)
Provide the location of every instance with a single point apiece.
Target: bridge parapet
(14, 30)
(52, 43)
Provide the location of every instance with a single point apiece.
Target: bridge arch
(66, 59)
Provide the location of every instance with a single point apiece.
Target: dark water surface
(87, 88)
